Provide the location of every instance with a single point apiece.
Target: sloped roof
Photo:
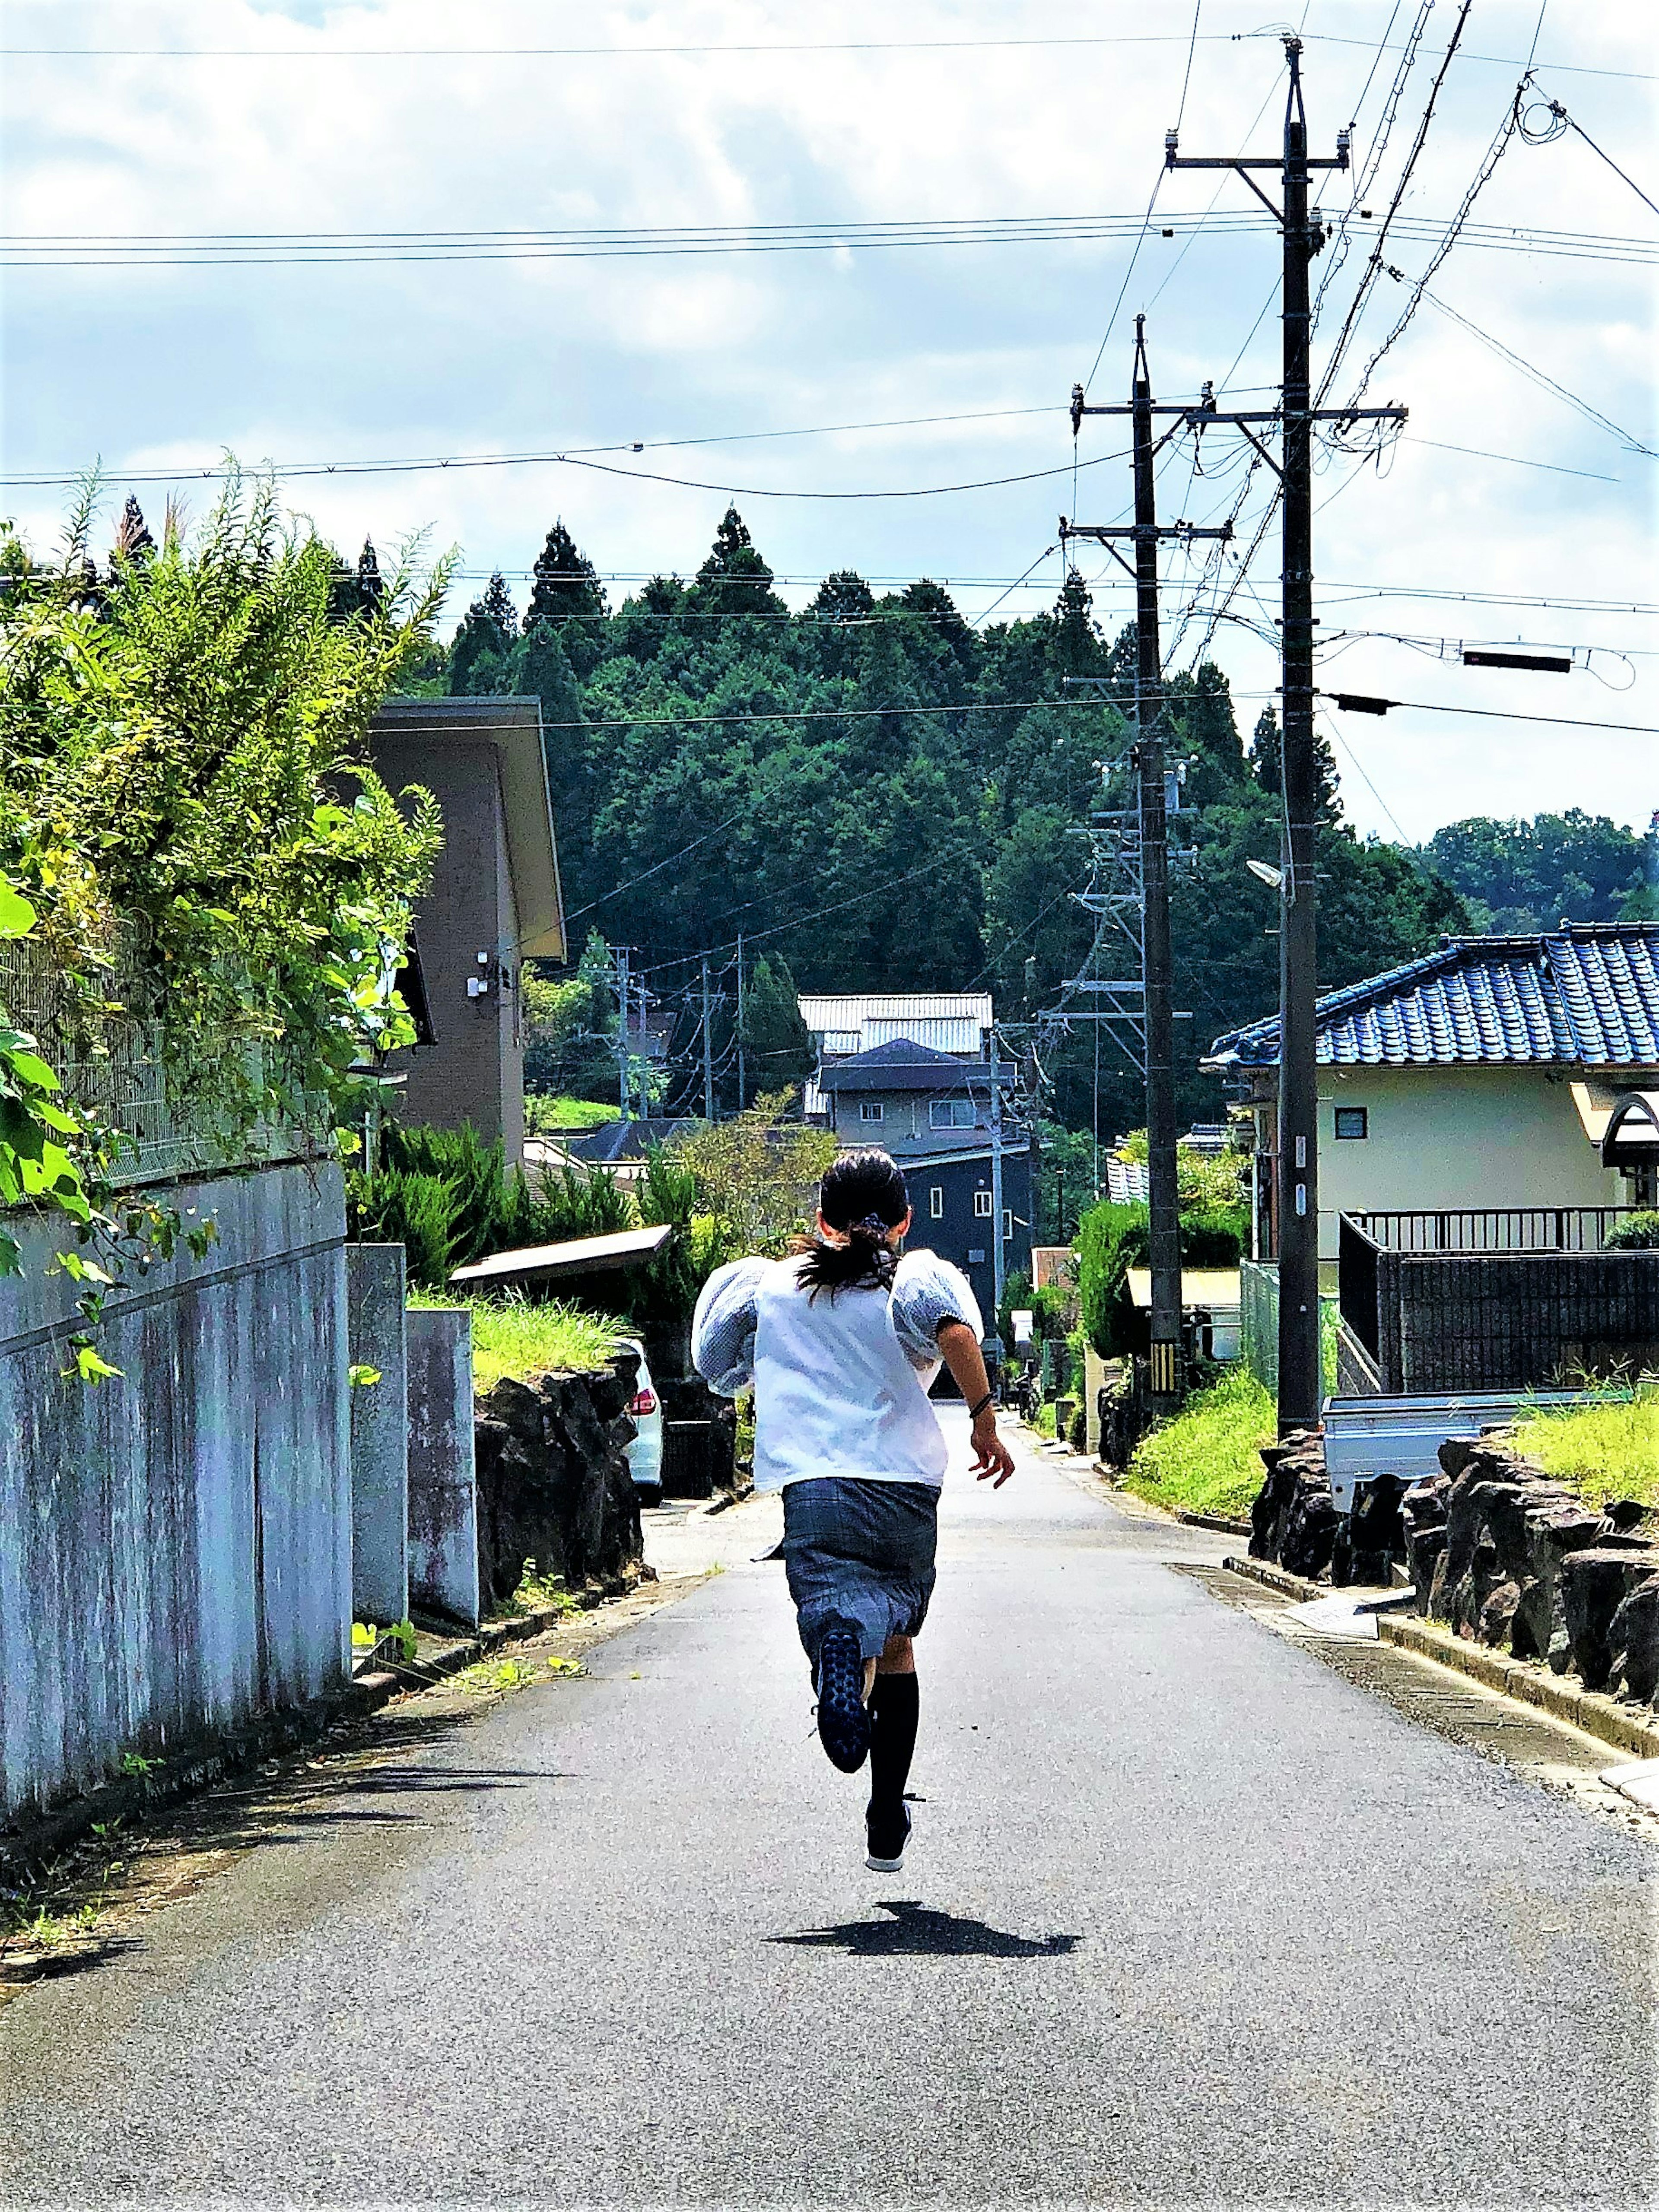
(1586, 995)
(902, 1064)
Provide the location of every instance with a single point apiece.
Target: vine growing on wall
(191, 835)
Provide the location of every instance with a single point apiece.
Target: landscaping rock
(1423, 1520)
(1633, 1639)
(554, 1484)
(1294, 1521)
(1376, 1529)
(1595, 1584)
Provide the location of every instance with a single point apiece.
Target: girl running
(841, 1340)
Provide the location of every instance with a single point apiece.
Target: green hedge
(1112, 1239)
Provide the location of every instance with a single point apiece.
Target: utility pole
(708, 1049)
(1298, 1133)
(622, 1028)
(742, 1062)
(1158, 1020)
(998, 1257)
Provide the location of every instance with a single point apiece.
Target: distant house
(927, 1100)
(494, 902)
(1484, 1075)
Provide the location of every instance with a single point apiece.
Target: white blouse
(840, 1383)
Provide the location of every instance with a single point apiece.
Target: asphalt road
(1188, 1920)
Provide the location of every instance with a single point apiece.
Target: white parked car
(645, 1411)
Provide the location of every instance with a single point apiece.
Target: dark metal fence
(1491, 1228)
(1528, 1298)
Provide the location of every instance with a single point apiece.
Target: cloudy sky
(426, 117)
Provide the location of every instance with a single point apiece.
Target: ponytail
(864, 1199)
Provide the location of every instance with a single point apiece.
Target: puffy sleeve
(723, 1327)
(927, 1291)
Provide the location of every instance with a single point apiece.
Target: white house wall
(1450, 1137)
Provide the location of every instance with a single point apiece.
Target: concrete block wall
(443, 1484)
(175, 1546)
(378, 1340)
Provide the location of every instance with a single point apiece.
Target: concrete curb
(1592, 1712)
(1275, 1579)
(30, 1841)
(1217, 1521)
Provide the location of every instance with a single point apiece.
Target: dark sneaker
(843, 1717)
(889, 1831)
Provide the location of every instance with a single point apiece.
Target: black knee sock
(893, 1711)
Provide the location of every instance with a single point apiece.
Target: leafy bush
(1049, 1308)
(1637, 1232)
(184, 801)
(1112, 1239)
(395, 1207)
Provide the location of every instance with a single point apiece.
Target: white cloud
(302, 363)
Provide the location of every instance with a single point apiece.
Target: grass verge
(511, 1336)
(1206, 1460)
(1608, 1449)
(546, 1117)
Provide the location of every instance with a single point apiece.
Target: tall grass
(1206, 1459)
(1606, 1449)
(511, 1336)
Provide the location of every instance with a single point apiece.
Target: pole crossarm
(1199, 414)
(1102, 532)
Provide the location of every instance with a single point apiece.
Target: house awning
(582, 1256)
(1632, 1137)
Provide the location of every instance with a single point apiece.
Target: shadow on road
(918, 1929)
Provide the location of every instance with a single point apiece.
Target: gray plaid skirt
(862, 1552)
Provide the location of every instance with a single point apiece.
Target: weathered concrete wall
(378, 1339)
(175, 1546)
(443, 1487)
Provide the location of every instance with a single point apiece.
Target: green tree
(735, 580)
(566, 586)
(478, 656)
(775, 1039)
(1519, 877)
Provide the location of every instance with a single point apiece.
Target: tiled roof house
(1482, 1075)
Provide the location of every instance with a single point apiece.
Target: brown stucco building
(494, 902)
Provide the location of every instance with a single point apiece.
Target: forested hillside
(889, 798)
(1521, 876)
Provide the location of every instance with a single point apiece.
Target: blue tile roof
(1587, 995)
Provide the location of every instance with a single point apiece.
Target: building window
(1007, 1224)
(936, 1202)
(982, 1205)
(872, 1110)
(1351, 1122)
(952, 1113)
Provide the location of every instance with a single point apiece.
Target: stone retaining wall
(553, 1479)
(1509, 1557)
(1514, 1559)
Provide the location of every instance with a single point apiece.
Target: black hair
(863, 1195)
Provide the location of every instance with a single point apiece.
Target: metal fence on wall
(1258, 1325)
(113, 1072)
(1505, 1300)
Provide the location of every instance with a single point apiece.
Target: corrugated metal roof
(853, 1011)
(1586, 995)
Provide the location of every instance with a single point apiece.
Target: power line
(770, 46)
(1537, 375)
(152, 250)
(1487, 714)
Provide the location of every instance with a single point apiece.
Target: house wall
(904, 1128)
(958, 1232)
(1454, 1136)
(474, 1070)
(175, 1544)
